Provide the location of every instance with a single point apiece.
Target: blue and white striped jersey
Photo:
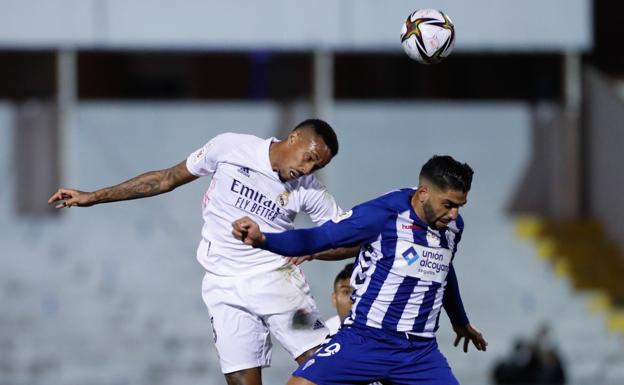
(400, 276)
(402, 269)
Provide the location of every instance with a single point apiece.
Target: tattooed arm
(145, 185)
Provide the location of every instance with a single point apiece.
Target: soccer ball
(428, 36)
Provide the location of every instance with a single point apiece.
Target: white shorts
(245, 309)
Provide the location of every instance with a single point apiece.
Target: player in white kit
(249, 292)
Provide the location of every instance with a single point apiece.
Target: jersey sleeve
(350, 228)
(319, 204)
(204, 160)
(361, 224)
(452, 302)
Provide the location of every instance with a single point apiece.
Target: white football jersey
(244, 184)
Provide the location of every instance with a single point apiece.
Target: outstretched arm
(352, 229)
(346, 231)
(142, 186)
(292, 242)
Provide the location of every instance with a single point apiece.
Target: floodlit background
(93, 92)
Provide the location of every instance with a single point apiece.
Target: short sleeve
(204, 160)
(361, 224)
(319, 204)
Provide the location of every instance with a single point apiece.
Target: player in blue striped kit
(403, 278)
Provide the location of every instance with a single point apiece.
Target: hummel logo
(318, 325)
(244, 171)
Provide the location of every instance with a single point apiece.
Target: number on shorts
(329, 350)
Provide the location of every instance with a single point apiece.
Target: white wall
(499, 25)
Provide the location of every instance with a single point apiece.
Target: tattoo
(142, 186)
(146, 185)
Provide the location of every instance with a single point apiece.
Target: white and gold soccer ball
(428, 36)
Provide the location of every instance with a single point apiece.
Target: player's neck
(418, 208)
(275, 154)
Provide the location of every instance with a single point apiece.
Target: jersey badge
(433, 238)
(282, 199)
(342, 216)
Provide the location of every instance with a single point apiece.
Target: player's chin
(293, 174)
(442, 224)
(283, 176)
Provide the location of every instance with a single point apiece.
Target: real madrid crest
(282, 199)
(433, 238)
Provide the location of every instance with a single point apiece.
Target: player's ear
(293, 136)
(334, 301)
(422, 193)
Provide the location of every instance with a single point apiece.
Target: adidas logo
(318, 325)
(244, 171)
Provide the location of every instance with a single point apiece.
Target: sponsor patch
(428, 263)
(199, 155)
(341, 217)
(410, 256)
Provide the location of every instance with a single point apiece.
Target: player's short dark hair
(324, 130)
(345, 273)
(447, 173)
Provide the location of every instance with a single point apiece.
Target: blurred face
(439, 207)
(341, 298)
(305, 152)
